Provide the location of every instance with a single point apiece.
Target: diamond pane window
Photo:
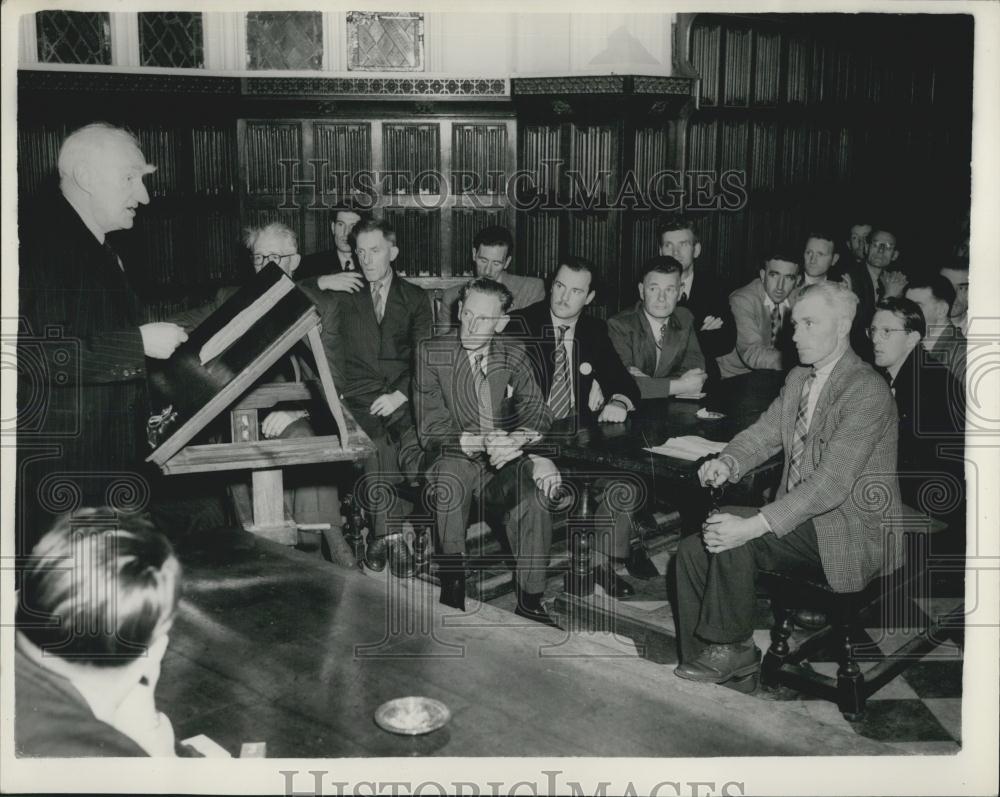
(74, 37)
(385, 41)
(172, 39)
(285, 40)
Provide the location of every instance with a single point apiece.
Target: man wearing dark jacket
(583, 380)
(705, 297)
(82, 347)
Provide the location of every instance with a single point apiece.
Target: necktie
(484, 400)
(775, 323)
(659, 344)
(799, 437)
(561, 395)
(684, 299)
(377, 300)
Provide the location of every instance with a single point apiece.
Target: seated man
(930, 405)
(372, 339)
(584, 381)
(491, 255)
(310, 492)
(97, 601)
(655, 339)
(337, 269)
(872, 280)
(463, 382)
(761, 309)
(944, 342)
(820, 259)
(835, 422)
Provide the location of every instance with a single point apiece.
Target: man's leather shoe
(391, 548)
(639, 564)
(720, 663)
(613, 584)
(529, 606)
(810, 619)
(451, 575)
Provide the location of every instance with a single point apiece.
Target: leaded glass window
(171, 39)
(74, 37)
(284, 40)
(385, 41)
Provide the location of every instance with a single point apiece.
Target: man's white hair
(276, 228)
(83, 144)
(837, 296)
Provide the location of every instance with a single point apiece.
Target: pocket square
(510, 391)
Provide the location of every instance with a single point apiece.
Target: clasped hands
(611, 412)
(722, 530)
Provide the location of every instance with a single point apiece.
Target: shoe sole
(736, 675)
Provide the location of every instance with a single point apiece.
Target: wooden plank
(326, 380)
(269, 394)
(267, 454)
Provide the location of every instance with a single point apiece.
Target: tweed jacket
(594, 357)
(526, 291)
(633, 341)
(445, 403)
(754, 350)
(849, 487)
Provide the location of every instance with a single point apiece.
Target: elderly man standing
(82, 348)
(835, 420)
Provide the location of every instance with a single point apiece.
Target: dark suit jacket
(710, 296)
(848, 488)
(592, 347)
(82, 370)
(633, 341)
(320, 263)
(931, 408)
(369, 359)
(862, 286)
(444, 396)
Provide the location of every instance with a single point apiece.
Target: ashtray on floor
(412, 716)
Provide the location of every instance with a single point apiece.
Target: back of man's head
(98, 589)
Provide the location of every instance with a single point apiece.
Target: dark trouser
(716, 593)
(396, 459)
(613, 519)
(456, 479)
(310, 491)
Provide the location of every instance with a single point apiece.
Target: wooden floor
(275, 645)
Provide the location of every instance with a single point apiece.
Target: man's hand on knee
(723, 531)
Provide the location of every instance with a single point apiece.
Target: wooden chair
(848, 614)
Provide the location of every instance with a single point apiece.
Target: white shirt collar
(655, 324)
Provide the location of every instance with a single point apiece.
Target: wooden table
(273, 645)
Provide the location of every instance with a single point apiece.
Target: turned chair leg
(850, 679)
(778, 652)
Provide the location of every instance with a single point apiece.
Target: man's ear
(506, 263)
(83, 176)
(834, 261)
(762, 278)
(642, 290)
(590, 297)
(502, 322)
(895, 254)
(393, 252)
(294, 263)
(697, 250)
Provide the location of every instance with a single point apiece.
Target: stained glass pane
(385, 41)
(285, 40)
(74, 37)
(171, 38)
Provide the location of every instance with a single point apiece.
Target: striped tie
(377, 300)
(659, 345)
(483, 395)
(799, 439)
(561, 395)
(775, 323)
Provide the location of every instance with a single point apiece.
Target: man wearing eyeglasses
(835, 421)
(310, 490)
(931, 408)
(873, 281)
(492, 249)
(477, 405)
